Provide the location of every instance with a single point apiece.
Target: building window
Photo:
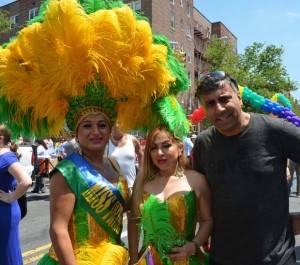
(12, 38)
(208, 33)
(182, 98)
(188, 10)
(181, 47)
(181, 2)
(172, 2)
(189, 32)
(190, 78)
(174, 44)
(190, 105)
(172, 20)
(181, 24)
(33, 13)
(14, 21)
(136, 5)
(189, 55)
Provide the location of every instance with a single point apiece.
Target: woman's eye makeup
(86, 125)
(102, 125)
(164, 146)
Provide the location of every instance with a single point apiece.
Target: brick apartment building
(186, 27)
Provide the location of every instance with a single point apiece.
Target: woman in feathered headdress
(168, 201)
(86, 64)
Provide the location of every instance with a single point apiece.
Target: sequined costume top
(178, 210)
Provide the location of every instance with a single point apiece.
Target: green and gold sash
(99, 197)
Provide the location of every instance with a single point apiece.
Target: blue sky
(5, 2)
(267, 21)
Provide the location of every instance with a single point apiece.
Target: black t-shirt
(247, 174)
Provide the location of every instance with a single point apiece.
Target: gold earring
(151, 177)
(179, 172)
(79, 151)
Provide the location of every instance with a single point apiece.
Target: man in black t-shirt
(244, 156)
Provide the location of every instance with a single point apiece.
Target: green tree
(4, 21)
(259, 67)
(220, 56)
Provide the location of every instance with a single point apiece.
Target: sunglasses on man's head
(213, 74)
(217, 75)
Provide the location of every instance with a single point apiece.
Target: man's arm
(138, 150)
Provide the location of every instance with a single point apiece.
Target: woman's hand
(5, 196)
(182, 253)
(133, 260)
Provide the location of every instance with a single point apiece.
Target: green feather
(156, 223)
(172, 115)
(175, 66)
(23, 127)
(91, 6)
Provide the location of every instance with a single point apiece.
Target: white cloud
(292, 14)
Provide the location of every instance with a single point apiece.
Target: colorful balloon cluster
(259, 102)
(281, 98)
(269, 106)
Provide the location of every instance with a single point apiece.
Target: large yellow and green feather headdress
(78, 54)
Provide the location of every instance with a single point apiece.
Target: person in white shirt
(126, 149)
(188, 146)
(41, 161)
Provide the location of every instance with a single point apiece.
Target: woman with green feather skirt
(168, 201)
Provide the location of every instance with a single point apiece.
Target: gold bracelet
(197, 247)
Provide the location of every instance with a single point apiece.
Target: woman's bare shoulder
(190, 173)
(197, 180)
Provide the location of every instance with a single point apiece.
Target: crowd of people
(217, 198)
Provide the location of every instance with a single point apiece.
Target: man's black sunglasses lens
(217, 74)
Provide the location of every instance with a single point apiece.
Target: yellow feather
(143, 115)
(52, 61)
(105, 253)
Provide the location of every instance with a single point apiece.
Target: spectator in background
(294, 168)
(57, 146)
(126, 149)
(50, 145)
(40, 158)
(68, 147)
(143, 143)
(188, 146)
(11, 174)
(193, 138)
(20, 140)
